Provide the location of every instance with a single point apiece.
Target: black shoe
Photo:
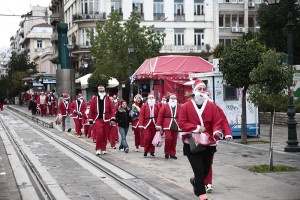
(192, 181)
(174, 157)
(145, 154)
(167, 156)
(69, 130)
(152, 155)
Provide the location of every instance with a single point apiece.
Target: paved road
(231, 180)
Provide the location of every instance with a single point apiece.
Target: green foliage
(276, 168)
(109, 46)
(96, 79)
(219, 50)
(271, 79)
(272, 20)
(239, 60)
(18, 67)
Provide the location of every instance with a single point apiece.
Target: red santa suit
(51, 99)
(42, 103)
(113, 129)
(167, 120)
(147, 121)
(77, 108)
(102, 111)
(85, 122)
(134, 114)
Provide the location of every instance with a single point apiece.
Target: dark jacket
(122, 117)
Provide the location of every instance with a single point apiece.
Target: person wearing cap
(167, 120)
(77, 108)
(134, 114)
(163, 101)
(63, 109)
(42, 103)
(147, 121)
(226, 130)
(199, 115)
(102, 115)
(51, 99)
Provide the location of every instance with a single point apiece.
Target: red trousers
(171, 142)
(208, 178)
(52, 109)
(78, 126)
(1, 106)
(101, 129)
(149, 133)
(43, 108)
(86, 129)
(92, 133)
(113, 135)
(138, 137)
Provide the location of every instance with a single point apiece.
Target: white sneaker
(104, 152)
(209, 188)
(98, 152)
(79, 136)
(136, 149)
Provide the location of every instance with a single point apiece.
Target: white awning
(84, 82)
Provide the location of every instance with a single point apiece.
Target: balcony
(199, 18)
(181, 49)
(159, 16)
(79, 16)
(54, 18)
(179, 17)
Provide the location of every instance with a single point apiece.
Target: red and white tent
(174, 70)
(172, 66)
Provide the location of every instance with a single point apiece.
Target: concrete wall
(280, 118)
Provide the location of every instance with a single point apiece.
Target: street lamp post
(292, 142)
(130, 52)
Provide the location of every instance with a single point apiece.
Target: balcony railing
(184, 48)
(80, 16)
(159, 16)
(180, 17)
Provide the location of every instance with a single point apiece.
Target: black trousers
(201, 163)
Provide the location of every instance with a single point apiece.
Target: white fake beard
(151, 102)
(115, 101)
(199, 98)
(163, 102)
(87, 111)
(172, 103)
(102, 95)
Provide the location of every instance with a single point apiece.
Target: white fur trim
(220, 133)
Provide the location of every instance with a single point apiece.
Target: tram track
(126, 183)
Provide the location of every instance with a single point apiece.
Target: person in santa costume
(102, 115)
(113, 135)
(226, 130)
(51, 99)
(42, 103)
(63, 109)
(147, 121)
(77, 108)
(167, 120)
(199, 115)
(85, 122)
(134, 114)
(163, 101)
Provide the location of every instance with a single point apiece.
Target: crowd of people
(103, 118)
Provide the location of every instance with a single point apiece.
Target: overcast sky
(10, 24)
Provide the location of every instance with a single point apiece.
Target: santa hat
(136, 97)
(79, 96)
(100, 86)
(150, 94)
(172, 94)
(114, 96)
(198, 83)
(66, 96)
(164, 97)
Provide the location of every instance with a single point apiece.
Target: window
(241, 20)
(137, 7)
(199, 38)
(158, 6)
(178, 7)
(178, 36)
(227, 21)
(89, 6)
(39, 44)
(230, 93)
(198, 7)
(160, 31)
(85, 40)
(116, 6)
(221, 20)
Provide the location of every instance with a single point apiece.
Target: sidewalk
(231, 180)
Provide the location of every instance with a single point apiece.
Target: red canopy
(172, 66)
